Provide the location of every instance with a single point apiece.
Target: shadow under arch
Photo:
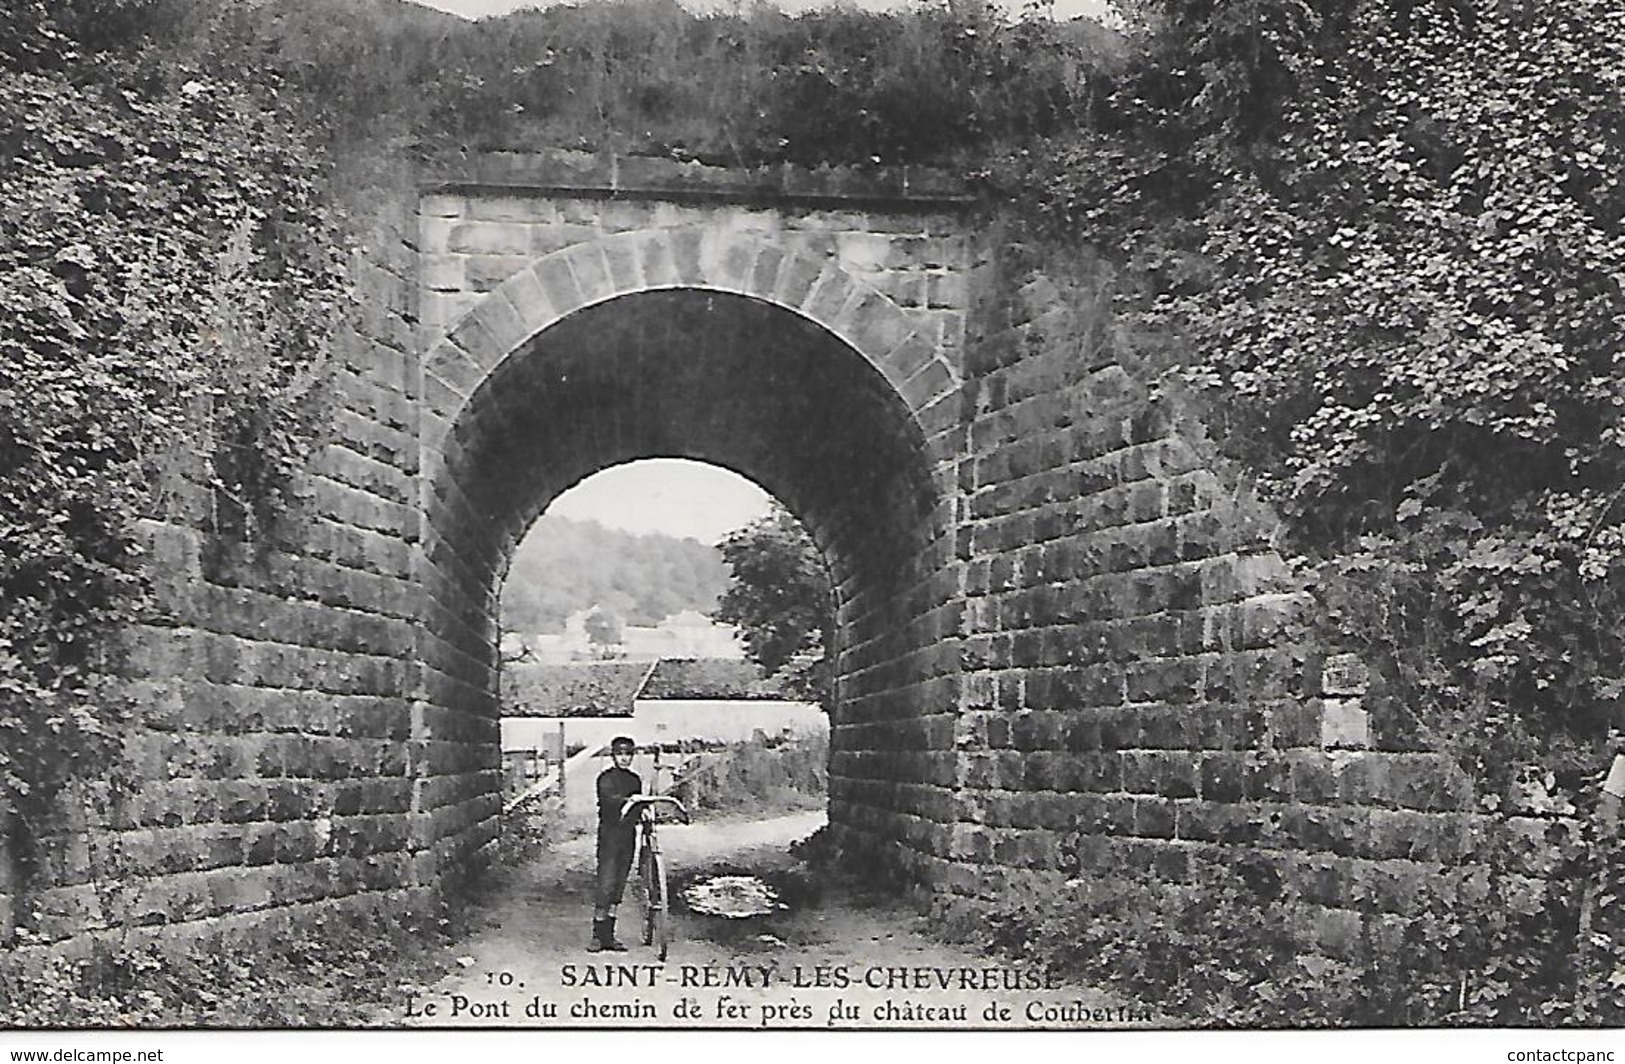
(747, 385)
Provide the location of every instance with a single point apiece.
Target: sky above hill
(481, 8)
(670, 495)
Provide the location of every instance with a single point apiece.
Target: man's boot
(609, 940)
(599, 936)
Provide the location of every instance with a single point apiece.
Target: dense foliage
(169, 271)
(1387, 237)
(761, 777)
(647, 77)
(780, 598)
(1483, 945)
(563, 566)
(350, 971)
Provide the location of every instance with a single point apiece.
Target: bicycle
(652, 887)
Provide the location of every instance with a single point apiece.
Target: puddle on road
(732, 897)
(749, 909)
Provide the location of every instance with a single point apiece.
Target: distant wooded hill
(564, 566)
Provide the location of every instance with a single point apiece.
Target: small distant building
(686, 634)
(689, 634)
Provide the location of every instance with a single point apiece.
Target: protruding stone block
(1344, 675)
(1344, 724)
(490, 238)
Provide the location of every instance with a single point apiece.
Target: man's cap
(622, 744)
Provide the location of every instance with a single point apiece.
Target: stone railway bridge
(1066, 646)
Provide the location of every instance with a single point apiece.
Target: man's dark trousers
(616, 846)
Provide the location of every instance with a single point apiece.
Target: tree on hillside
(779, 595)
(604, 633)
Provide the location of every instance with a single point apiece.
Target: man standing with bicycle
(617, 839)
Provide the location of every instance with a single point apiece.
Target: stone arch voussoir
(556, 285)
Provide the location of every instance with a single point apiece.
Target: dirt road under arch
(837, 955)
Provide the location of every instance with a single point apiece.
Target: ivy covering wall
(1383, 241)
(171, 272)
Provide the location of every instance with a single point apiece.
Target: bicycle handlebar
(648, 802)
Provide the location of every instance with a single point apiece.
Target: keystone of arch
(552, 287)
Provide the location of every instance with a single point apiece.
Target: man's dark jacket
(615, 786)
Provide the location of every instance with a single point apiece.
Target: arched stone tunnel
(1066, 647)
(742, 383)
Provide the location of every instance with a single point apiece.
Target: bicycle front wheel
(659, 919)
(648, 894)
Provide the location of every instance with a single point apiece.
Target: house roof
(585, 689)
(610, 688)
(713, 679)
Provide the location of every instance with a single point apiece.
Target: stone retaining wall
(1143, 690)
(275, 763)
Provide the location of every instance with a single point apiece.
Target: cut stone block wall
(829, 345)
(316, 725)
(1143, 691)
